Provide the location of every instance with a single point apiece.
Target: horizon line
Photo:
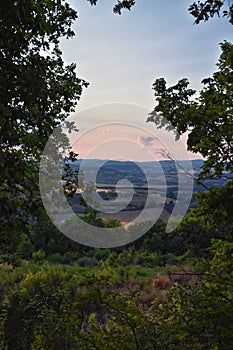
(138, 161)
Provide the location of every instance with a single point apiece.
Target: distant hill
(111, 171)
(92, 163)
(162, 177)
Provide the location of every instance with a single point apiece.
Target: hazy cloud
(147, 140)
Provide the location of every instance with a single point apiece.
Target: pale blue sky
(121, 56)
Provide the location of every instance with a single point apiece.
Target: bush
(101, 254)
(38, 256)
(147, 259)
(25, 247)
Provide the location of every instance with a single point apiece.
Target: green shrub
(101, 254)
(38, 256)
(25, 247)
(147, 259)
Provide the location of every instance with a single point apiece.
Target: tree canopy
(206, 116)
(208, 119)
(201, 11)
(37, 92)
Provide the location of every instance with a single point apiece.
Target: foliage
(202, 11)
(207, 118)
(45, 236)
(186, 244)
(55, 308)
(73, 307)
(111, 223)
(38, 256)
(200, 316)
(51, 309)
(37, 93)
(25, 247)
(216, 208)
(123, 4)
(35, 311)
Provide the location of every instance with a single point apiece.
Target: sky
(121, 56)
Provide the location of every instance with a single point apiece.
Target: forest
(167, 289)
